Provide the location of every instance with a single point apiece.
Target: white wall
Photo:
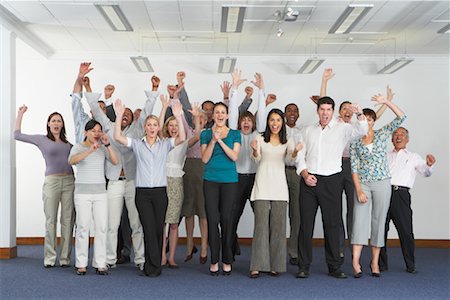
(421, 88)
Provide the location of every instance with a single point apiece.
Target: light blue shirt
(151, 161)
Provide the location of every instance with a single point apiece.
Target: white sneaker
(140, 266)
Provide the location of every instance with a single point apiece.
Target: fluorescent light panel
(226, 64)
(445, 29)
(232, 18)
(350, 17)
(142, 63)
(396, 65)
(310, 65)
(114, 17)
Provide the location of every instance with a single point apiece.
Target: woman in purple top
(58, 185)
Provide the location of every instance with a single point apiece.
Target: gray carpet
(26, 278)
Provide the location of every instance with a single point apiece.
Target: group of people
(208, 160)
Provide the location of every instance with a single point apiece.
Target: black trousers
(400, 213)
(219, 202)
(328, 195)
(244, 190)
(349, 190)
(151, 204)
(124, 235)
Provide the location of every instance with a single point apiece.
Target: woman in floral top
(370, 172)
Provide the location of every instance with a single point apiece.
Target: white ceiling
(65, 28)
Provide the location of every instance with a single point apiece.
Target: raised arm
(20, 113)
(261, 113)
(184, 98)
(85, 68)
(247, 100)
(165, 104)
(389, 97)
(380, 99)
(327, 75)
(236, 81)
(196, 114)
(177, 110)
(118, 135)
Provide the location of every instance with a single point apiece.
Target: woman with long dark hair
(270, 150)
(58, 185)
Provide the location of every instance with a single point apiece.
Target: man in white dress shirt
(320, 166)
(404, 166)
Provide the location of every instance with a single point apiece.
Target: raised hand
(105, 139)
(254, 145)
(225, 87)
(271, 98)
(22, 109)
(171, 89)
(84, 69)
(119, 107)
(236, 78)
(314, 98)
(327, 74)
(177, 90)
(258, 82)
(165, 101)
(94, 147)
(431, 160)
(180, 77)
(355, 108)
(248, 92)
(86, 81)
(195, 111)
(379, 99)
(155, 81)
(389, 93)
(299, 147)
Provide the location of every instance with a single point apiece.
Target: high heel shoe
(226, 272)
(203, 259)
(374, 274)
(359, 274)
(189, 256)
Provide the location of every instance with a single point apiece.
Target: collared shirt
(404, 167)
(322, 152)
(370, 162)
(127, 160)
(294, 133)
(151, 161)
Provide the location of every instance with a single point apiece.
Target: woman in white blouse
(270, 150)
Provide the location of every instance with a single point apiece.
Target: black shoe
(48, 266)
(338, 274)
(293, 261)
(226, 273)
(101, 272)
(82, 273)
(65, 266)
(411, 270)
(123, 260)
(174, 266)
(253, 275)
(275, 274)
(383, 268)
(214, 273)
(374, 274)
(359, 274)
(302, 274)
(189, 256)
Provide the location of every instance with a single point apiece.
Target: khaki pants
(58, 189)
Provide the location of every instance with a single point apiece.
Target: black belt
(399, 187)
(122, 178)
(246, 174)
(291, 167)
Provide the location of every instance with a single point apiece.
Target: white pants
(88, 206)
(118, 190)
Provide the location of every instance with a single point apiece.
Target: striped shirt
(90, 177)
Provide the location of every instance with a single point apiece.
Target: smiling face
(208, 108)
(325, 112)
(172, 128)
(246, 125)
(127, 118)
(55, 125)
(400, 138)
(94, 134)
(346, 112)
(275, 123)
(220, 115)
(151, 126)
(292, 115)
